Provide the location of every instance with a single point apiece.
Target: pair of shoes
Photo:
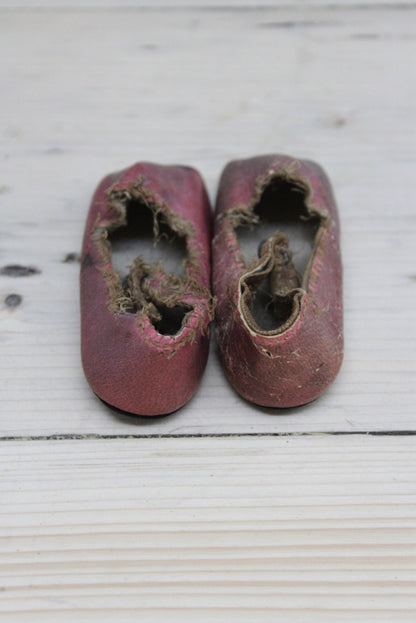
(146, 302)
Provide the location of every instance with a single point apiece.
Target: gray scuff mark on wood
(149, 47)
(292, 24)
(54, 151)
(365, 35)
(13, 300)
(16, 270)
(71, 258)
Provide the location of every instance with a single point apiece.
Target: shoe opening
(150, 258)
(276, 242)
(171, 318)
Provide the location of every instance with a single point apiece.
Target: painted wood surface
(298, 529)
(88, 92)
(200, 4)
(274, 521)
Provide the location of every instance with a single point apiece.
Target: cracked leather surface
(293, 366)
(126, 361)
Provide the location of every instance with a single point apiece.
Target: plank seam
(97, 436)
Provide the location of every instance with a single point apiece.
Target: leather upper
(293, 366)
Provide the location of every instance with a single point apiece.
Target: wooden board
(85, 93)
(222, 511)
(308, 529)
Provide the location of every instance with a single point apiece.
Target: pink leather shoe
(277, 277)
(145, 288)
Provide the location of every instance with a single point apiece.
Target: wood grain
(202, 87)
(287, 525)
(310, 529)
(201, 4)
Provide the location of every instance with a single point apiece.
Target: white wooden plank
(309, 529)
(201, 87)
(203, 4)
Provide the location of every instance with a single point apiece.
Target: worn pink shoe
(277, 276)
(145, 288)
